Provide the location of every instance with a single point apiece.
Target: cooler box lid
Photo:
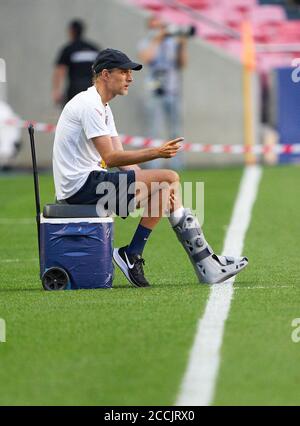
(71, 211)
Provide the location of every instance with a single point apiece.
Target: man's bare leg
(152, 193)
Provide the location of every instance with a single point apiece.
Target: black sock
(139, 240)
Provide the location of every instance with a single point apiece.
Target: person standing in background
(165, 54)
(74, 61)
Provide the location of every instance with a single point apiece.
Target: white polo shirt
(74, 154)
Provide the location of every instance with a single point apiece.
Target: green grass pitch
(130, 346)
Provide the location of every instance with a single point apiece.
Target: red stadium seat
(233, 19)
(242, 6)
(268, 14)
(154, 5)
(176, 17)
(269, 25)
(287, 32)
(216, 14)
(267, 61)
(197, 4)
(211, 33)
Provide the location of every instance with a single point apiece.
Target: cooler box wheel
(55, 279)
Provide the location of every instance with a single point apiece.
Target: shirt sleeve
(93, 122)
(63, 57)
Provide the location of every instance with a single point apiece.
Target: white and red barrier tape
(138, 142)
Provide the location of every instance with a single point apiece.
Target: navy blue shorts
(111, 191)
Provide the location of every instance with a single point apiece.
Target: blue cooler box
(81, 246)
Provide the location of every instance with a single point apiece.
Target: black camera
(180, 31)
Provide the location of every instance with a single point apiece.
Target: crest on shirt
(101, 115)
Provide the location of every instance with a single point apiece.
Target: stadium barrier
(141, 142)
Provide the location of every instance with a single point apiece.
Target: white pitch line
(16, 221)
(265, 287)
(17, 260)
(199, 381)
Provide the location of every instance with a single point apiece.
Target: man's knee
(175, 176)
(170, 176)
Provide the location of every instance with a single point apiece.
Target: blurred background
(239, 83)
(231, 69)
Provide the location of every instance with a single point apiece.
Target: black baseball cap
(111, 58)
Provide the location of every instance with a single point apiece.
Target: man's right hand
(169, 149)
(119, 158)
